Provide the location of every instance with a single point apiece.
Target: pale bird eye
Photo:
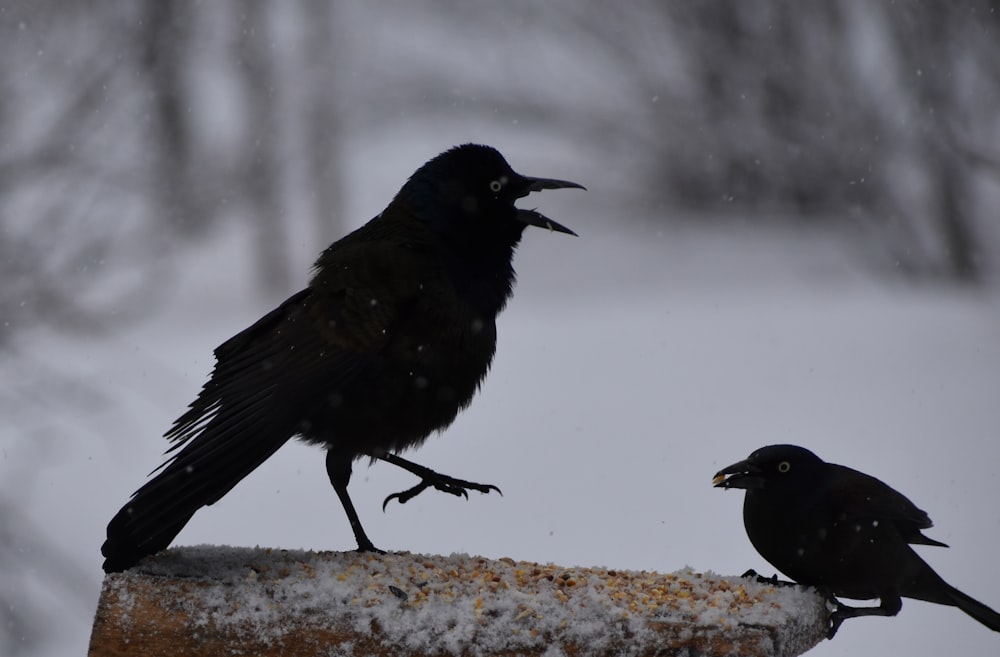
(496, 186)
(784, 466)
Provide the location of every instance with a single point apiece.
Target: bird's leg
(428, 479)
(888, 606)
(338, 468)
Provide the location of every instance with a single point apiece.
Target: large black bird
(842, 531)
(390, 340)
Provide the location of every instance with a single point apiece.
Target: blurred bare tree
(149, 123)
(948, 61)
(848, 112)
(126, 130)
(839, 112)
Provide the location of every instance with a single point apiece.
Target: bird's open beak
(533, 218)
(739, 475)
(538, 184)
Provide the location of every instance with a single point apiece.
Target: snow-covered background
(633, 362)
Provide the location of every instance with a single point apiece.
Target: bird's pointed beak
(534, 218)
(538, 184)
(739, 475)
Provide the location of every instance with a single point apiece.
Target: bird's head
(471, 188)
(767, 467)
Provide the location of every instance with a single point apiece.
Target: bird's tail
(974, 608)
(149, 521)
(929, 586)
(198, 475)
(132, 536)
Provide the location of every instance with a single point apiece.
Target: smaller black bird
(841, 531)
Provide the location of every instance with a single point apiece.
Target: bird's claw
(406, 495)
(443, 483)
(839, 612)
(837, 615)
(365, 545)
(835, 621)
(772, 580)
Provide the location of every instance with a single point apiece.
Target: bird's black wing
(863, 497)
(268, 378)
(266, 381)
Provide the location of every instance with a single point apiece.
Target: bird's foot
(835, 622)
(839, 612)
(368, 547)
(772, 580)
(889, 605)
(364, 543)
(443, 483)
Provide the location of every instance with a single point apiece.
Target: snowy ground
(630, 368)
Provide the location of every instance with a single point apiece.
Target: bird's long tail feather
(975, 608)
(927, 585)
(198, 475)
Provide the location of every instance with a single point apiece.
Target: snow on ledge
(348, 604)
